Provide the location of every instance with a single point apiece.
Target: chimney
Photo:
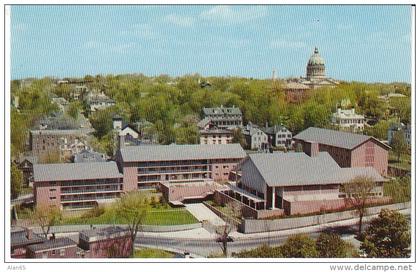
(266, 124)
(311, 149)
(28, 234)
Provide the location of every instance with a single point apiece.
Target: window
(53, 252)
(53, 190)
(53, 198)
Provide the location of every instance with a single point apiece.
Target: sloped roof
(336, 138)
(86, 156)
(222, 110)
(75, 171)
(180, 152)
(275, 129)
(294, 169)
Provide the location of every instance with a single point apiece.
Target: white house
(348, 119)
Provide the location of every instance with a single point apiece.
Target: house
(255, 138)
(398, 127)
(347, 149)
(296, 92)
(76, 185)
(20, 238)
(53, 249)
(149, 165)
(26, 165)
(348, 120)
(224, 117)
(279, 136)
(64, 142)
(296, 183)
(99, 101)
(135, 134)
(216, 136)
(110, 242)
(87, 155)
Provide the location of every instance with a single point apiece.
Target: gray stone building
(224, 117)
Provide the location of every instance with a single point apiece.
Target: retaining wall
(253, 225)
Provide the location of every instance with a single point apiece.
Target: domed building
(298, 89)
(316, 66)
(315, 73)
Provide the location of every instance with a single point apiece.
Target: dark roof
(103, 233)
(76, 171)
(222, 111)
(130, 126)
(85, 156)
(291, 169)
(275, 129)
(52, 244)
(31, 159)
(336, 138)
(19, 238)
(180, 152)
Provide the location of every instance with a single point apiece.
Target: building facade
(347, 149)
(348, 120)
(296, 92)
(216, 136)
(110, 242)
(224, 117)
(279, 136)
(255, 138)
(146, 166)
(295, 183)
(76, 185)
(53, 249)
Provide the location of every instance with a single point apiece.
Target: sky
(358, 43)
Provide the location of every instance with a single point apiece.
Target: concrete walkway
(202, 213)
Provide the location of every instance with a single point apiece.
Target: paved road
(202, 213)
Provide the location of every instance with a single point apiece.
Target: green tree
(16, 177)
(299, 246)
(357, 193)
(387, 236)
(133, 207)
(399, 144)
(263, 251)
(238, 137)
(330, 245)
(46, 217)
(73, 109)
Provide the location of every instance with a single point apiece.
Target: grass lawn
(155, 216)
(405, 161)
(152, 253)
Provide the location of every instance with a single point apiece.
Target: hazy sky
(363, 43)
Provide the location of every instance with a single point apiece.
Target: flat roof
(181, 152)
(52, 244)
(76, 171)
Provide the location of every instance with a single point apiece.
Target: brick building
(145, 166)
(76, 185)
(20, 238)
(111, 242)
(53, 249)
(347, 149)
(216, 136)
(295, 183)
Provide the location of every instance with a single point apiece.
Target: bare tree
(133, 207)
(232, 213)
(357, 192)
(46, 217)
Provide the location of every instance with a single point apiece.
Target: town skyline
(244, 41)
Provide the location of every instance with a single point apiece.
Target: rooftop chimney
(28, 234)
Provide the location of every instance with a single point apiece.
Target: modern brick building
(53, 249)
(347, 149)
(110, 242)
(145, 166)
(76, 185)
(295, 183)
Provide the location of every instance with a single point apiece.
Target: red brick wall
(42, 194)
(129, 177)
(69, 252)
(117, 248)
(370, 154)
